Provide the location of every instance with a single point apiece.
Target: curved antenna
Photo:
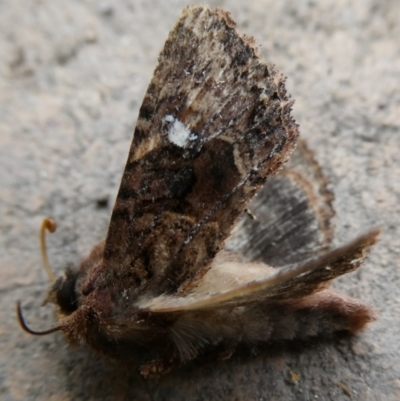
(49, 225)
(27, 329)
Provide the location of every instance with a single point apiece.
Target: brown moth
(172, 280)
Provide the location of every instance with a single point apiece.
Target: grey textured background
(72, 77)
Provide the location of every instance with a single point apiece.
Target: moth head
(62, 291)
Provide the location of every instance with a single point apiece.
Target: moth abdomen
(323, 314)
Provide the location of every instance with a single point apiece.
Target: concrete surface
(72, 77)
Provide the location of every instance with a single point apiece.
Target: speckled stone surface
(72, 77)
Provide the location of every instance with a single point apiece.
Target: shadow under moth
(189, 266)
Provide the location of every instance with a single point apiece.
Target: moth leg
(227, 353)
(157, 367)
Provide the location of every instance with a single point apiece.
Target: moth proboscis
(173, 279)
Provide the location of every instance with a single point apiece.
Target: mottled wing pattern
(214, 124)
(294, 215)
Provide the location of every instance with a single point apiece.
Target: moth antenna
(27, 329)
(50, 225)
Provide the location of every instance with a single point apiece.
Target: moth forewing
(214, 124)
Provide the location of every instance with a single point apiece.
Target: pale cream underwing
(184, 269)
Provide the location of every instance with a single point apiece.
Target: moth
(184, 269)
